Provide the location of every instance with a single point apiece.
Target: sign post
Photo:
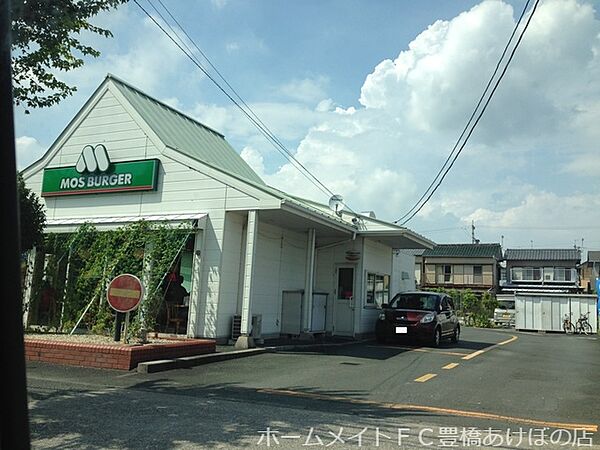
(124, 294)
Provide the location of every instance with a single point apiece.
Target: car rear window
(423, 302)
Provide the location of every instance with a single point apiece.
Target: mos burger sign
(94, 173)
(124, 293)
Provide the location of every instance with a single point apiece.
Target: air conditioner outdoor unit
(256, 327)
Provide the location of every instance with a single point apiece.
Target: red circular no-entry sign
(124, 293)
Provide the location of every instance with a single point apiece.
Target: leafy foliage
(32, 216)
(95, 257)
(476, 310)
(45, 39)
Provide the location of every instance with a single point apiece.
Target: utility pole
(472, 232)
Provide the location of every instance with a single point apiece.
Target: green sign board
(118, 177)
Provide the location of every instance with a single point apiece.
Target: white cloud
(288, 121)
(254, 159)
(232, 47)
(306, 90)
(28, 151)
(219, 4)
(546, 218)
(383, 154)
(147, 61)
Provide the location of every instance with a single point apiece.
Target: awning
(70, 223)
(401, 238)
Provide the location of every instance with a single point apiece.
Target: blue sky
(371, 96)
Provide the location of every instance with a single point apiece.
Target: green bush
(94, 258)
(476, 311)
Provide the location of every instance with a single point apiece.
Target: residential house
(462, 266)
(589, 271)
(548, 270)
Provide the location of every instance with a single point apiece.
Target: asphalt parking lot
(514, 383)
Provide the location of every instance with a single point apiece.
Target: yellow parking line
(450, 366)
(473, 355)
(479, 352)
(508, 341)
(426, 377)
(426, 350)
(434, 409)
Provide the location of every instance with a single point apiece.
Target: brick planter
(122, 357)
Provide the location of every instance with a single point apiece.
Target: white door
(343, 313)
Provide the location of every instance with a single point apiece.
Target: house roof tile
(542, 254)
(465, 251)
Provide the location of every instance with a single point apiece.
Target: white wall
(377, 258)
(403, 265)
(279, 266)
(231, 268)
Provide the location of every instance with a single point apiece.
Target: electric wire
(489, 83)
(248, 113)
(205, 56)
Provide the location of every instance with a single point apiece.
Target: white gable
(184, 185)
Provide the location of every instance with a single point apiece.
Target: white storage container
(546, 312)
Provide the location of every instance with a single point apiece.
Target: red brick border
(122, 357)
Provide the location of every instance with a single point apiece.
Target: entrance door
(343, 315)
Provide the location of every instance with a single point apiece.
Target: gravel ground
(88, 339)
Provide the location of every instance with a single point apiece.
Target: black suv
(427, 316)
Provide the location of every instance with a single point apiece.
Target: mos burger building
(263, 263)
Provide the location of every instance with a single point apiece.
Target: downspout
(309, 280)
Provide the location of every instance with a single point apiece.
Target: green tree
(32, 216)
(45, 39)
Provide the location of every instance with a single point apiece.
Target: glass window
(447, 274)
(345, 283)
(378, 289)
(477, 274)
(451, 303)
(517, 273)
(423, 302)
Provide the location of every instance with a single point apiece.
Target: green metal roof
(465, 251)
(186, 135)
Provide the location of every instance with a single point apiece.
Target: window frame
(374, 298)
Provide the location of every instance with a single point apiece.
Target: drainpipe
(309, 283)
(245, 340)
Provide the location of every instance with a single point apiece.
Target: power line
(245, 109)
(454, 154)
(265, 131)
(548, 228)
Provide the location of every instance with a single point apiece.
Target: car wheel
(437, 338)
(456, 335)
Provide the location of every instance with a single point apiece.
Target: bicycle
(583, 325)
(568, 326)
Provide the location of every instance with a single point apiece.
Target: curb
(191, 361)
(318, 346)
